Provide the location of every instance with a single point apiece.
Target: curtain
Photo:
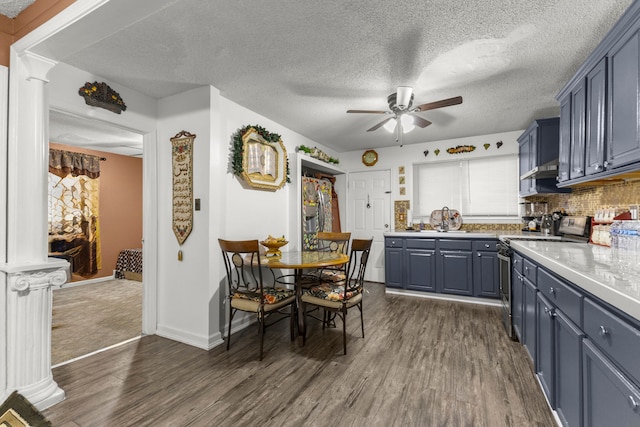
(63, 163)
(74, 230)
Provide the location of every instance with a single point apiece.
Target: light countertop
(589, 266)
(431, 234)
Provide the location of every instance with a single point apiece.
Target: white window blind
(477, 187)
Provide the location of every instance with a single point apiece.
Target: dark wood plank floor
(423, 363)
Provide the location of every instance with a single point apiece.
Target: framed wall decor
(264, 163)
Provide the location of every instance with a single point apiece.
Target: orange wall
(32, 17)
(120, 204)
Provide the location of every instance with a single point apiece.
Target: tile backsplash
(586, 200)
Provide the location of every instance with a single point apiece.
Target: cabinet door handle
(550, 312)
(577, 170)
(552, 290)
(479, 254)
(515, 261)
(603, 331)
(486, 245)
(597, 167)
(633, 402)
(606, 164)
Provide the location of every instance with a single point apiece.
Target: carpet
(17, 411)
(94, 316)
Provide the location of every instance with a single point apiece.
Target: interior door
(369, 215)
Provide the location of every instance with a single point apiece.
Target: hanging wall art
(182, 162)
(260, 158)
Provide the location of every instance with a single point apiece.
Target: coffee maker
(532, 215)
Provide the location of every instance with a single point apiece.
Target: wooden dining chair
(339, 296)
(247, 291)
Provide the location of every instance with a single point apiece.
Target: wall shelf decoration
(260, 158)
(101, 95)
(461, 149)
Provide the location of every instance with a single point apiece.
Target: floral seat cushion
(332, 292)
(335, 276)
(271, 295)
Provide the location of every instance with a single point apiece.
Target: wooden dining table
(299, 261)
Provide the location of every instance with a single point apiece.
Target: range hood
(548, 170)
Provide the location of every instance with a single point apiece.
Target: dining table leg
(298, 287)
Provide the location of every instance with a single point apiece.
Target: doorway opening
(101, 305)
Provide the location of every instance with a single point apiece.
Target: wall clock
(369, 157)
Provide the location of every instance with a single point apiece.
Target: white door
(369, 215)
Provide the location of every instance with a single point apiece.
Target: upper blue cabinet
(599, 107)
(538, 156)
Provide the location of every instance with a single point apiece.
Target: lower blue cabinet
(421, 269)
(609, 398)
(529, 306)
(568, 370)
(455, 270)
(545, 330)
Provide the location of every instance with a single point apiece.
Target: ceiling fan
(402, 114)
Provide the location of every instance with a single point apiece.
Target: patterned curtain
(74, 231)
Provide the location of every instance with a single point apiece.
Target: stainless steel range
(570, 229)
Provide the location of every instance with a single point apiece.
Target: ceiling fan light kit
(403, 118)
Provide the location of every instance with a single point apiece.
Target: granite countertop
(591, 267)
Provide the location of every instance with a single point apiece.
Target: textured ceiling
(303, 63)
(12, 8)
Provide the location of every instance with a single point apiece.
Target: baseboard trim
(445, 297)
(86, 282)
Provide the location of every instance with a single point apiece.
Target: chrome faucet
(444, 226)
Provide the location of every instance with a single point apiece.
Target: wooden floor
(423, 363)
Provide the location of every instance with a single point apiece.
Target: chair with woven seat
(339, 296)
(247, 291)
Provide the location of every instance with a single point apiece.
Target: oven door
(505, 292)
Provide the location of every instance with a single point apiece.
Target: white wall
(62, 94)
(391, 158)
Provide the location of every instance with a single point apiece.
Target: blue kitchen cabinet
(564, 149)
(578, 117)
(455, 267)
(610, 399)
(596, 86)
(517, 292)
(609, 83)
(486, 270)
(537, 150)
(623, 99)
(394, 262)
(529, 303)
(545, 369)
(568, 370)
(421, 265)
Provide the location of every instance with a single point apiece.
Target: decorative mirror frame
(264, 163)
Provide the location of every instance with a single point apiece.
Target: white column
(29, 298)
(28, 273)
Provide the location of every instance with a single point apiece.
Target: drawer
(460, 245)
(485, 245)
(421, 243)
(517, 262)
(618, 339)
(566, 299)
(393, 242)
(529, 270)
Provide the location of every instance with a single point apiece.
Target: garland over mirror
(260, 158)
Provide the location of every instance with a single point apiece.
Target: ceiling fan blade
(379, 125)
(421, 122)
(367, 111)
(439, 104)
